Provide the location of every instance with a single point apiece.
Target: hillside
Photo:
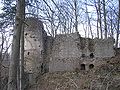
(103, 77)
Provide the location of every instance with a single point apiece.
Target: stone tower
(34, 45)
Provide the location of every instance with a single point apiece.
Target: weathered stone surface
(64, 52)
(104, 76)
(65, 46)
(104, 47)
(72, 62)
(68, 47)
(35, 37)
(65, 64)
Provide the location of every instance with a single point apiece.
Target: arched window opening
(82, 67)
(26, 34)
(91, 55)
(91, 66)
(28, 53)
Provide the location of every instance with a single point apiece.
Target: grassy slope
(103, 77)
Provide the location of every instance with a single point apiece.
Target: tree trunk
(22, 51)
(52, 27)
(76, 16)
(14, 63)
(89, 23)
(97, 24)
(1, 59)
(97, 10)
(118, 25)
(105, 22)
(100, 22)
(111, 24)
(0, 70)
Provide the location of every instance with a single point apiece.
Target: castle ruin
(64, 52)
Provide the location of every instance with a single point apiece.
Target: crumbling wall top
(33, 24)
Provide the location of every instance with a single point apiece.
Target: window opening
(91, 55)
(26, 34)
(91, 66)
(28, 53)
(82, 66)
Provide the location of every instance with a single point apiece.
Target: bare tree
(1, 59)
(105, 14)
(118, 26)
(99, 18)
(14, 63)
(76, 15)
(4, 57)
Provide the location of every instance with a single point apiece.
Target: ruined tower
(34, 45)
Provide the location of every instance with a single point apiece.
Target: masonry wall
(104, 47)
(65, 46)
(70, 51)
(34, 45)
(65, 53)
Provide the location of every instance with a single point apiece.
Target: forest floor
(103, 77)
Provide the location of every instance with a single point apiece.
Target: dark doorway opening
(91, 66)
(26, 34)
(28, 53)
(82, 67)
(91, 55)
(42, 67)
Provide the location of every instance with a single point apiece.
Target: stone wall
(65, 46)
(104, 47)
(34, 45)
(64, 52)
(70, 51)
